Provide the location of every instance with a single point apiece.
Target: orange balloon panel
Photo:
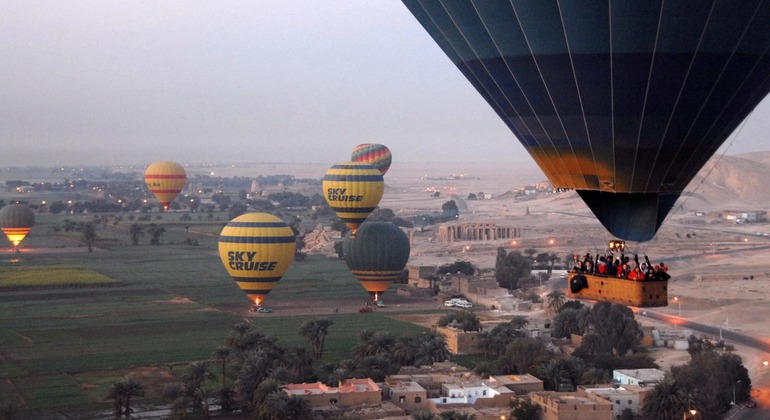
(165, 180)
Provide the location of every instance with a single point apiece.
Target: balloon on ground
(377, 155)
(165, 180)
(353, 190)
(376, 255)
(16, 221)
(256, 250)
(624, 104)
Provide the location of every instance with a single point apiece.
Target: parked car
(379, 303)
(458, 302)
(751, 404)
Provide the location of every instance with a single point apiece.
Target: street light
(692, 412)
(736, 382)
(679, 303)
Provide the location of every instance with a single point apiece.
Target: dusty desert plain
(720, 270)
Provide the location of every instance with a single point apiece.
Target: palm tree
(553, 259)
(298, 408)
(518, 322)
(403, 350)
(256, 367)
(88, 230)
(423, 415)
(315, 331)
(221, 354)
(116, 395)
(594, 376)
(554, 372)
(135, 231)
(668, 400)
(121, 392)
(380, 342)
(556, 300)
(300, 361)
(205, 396)
(196, 373)
(431, 348)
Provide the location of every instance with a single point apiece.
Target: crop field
(73, 322)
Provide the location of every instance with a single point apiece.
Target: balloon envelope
(165, 180)
(377, 155)
(256, 250)
(353, 190)
(625, 103)
(16, 221)
(377, 255)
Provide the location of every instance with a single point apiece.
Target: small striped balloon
(353, 190)
(256, 250)
(377, 155)
(165, 180)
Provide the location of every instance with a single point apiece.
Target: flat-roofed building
(351, 392)
(521, 384)
(641, 377)
(621, 397)
(407, 394)
(571, 406)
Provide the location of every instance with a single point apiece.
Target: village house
(571, 406)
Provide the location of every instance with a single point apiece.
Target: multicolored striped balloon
(256, 250)
(377, 255)
(16, 221)
(165, 180)
(353, 190)
(378, 155)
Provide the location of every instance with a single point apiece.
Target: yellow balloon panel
(376, 281)
(353, 190)
(16, 235)
(165, 180)
(256, 250)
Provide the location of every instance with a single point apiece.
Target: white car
(460, 303)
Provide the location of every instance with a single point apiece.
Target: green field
(73, 322)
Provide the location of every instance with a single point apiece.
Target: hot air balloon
(377, 155)
(256, 250)
(353, 190)
(16, 221)
(377, 255)
(165, 180)
(623, 101)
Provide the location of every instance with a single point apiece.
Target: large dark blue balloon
(624, 100)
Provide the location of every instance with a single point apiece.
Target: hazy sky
(112, 82)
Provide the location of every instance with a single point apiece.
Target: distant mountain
(740, 182)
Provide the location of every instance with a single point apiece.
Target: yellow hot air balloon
(16, 221)
(353, 190)
(165, 180)
(256, 250)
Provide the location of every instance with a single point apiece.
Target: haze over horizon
(108, 83)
